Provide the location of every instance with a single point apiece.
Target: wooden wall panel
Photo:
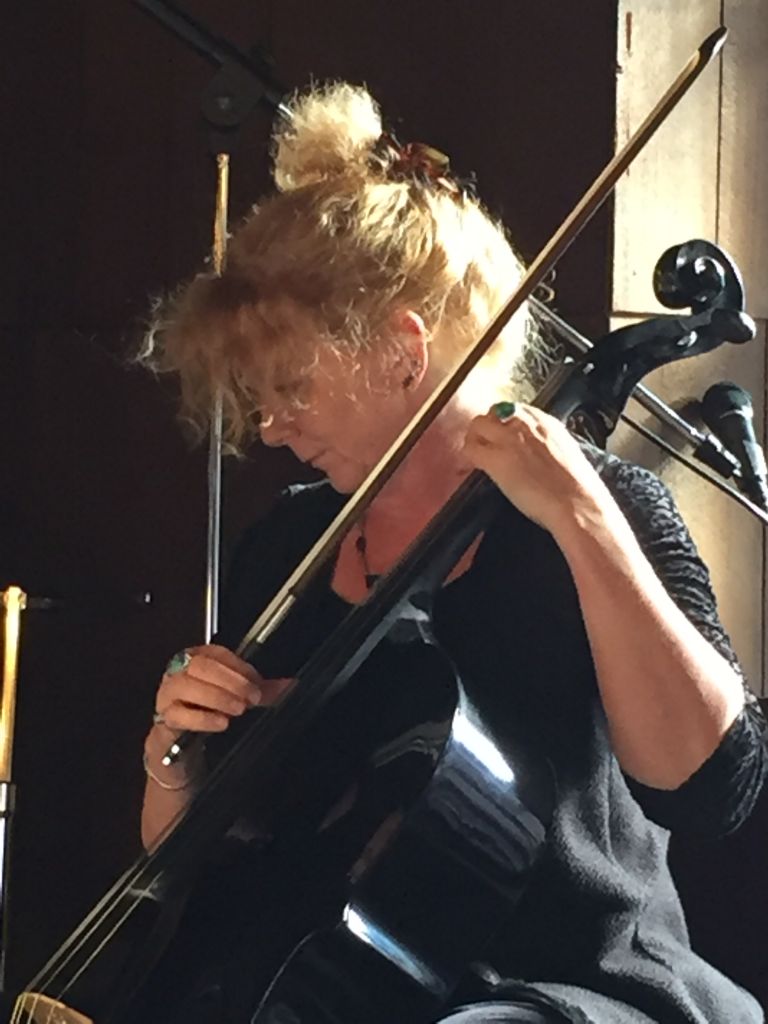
(743, 195)
(703, 176)
(669, 194)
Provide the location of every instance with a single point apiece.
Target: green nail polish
(504, 410)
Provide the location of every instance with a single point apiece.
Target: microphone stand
(707, 446)
(720, 459)
(244, 80)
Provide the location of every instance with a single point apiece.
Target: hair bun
(332, 131)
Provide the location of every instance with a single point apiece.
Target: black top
(600, 930)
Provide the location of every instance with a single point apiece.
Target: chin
(344, 480)
(341, 486)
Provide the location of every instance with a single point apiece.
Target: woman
(347, 296)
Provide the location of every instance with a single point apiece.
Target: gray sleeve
(720, 795)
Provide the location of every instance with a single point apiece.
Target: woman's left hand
(536, 463)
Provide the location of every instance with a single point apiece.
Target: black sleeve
(720, 795)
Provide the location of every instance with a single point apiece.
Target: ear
(412, 336)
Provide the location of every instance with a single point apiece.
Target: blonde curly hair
(343, 244)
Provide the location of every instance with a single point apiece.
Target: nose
(276, 427)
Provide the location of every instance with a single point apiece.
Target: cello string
(86, 930)
(99, 948)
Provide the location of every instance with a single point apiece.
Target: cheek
(352, 424)
(368, 436)
(358, 426)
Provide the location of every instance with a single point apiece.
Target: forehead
(300, 367)
(285, 346)
(275, 340)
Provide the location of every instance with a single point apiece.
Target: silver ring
(158, 718)
(178, 663)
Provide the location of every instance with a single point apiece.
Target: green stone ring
(504, 411)
(178, 663)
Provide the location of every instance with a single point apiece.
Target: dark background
(105, 201)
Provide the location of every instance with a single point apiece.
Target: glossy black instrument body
(472, 816)
(442, 884)
(459, 812)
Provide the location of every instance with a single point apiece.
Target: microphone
(727, 410)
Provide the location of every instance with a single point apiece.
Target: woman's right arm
(212, 689)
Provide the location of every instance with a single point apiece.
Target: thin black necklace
(361, 543)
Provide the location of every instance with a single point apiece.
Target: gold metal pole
(14, 602)
(222, 206)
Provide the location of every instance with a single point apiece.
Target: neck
(390, 525)
(419, 488)
(400, 512)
